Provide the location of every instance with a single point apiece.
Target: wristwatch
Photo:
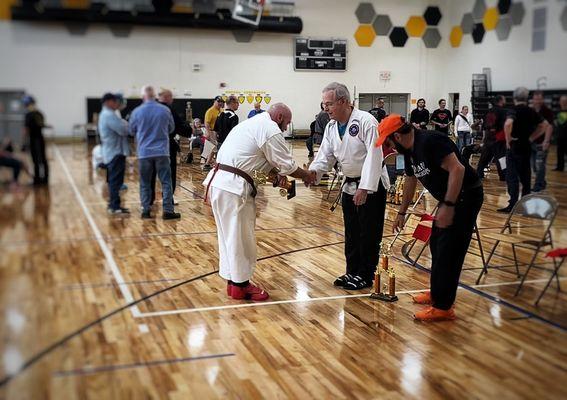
(448, 203)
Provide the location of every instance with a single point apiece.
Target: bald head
(166, 96)
(148, 93)
(280, 114)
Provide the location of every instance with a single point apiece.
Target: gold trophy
(287, 187)
(384, 287)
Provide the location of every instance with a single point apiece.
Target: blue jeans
(115, 176)
(163, 169)
(464, 138)
(538, 160)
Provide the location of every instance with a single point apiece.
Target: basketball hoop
(248, 11)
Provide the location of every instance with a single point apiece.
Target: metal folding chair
(539, 207)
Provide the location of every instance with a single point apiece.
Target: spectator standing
(540, 145)
(463, 128)
(441, 118)
(34, 124)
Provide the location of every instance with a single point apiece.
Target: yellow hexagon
(490, 19)
(456, 36)
(78, 4)
(6, 9)
(365, 35)
(416, 26)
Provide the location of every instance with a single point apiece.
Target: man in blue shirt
(113, 132)
(257, 110)
(152, 123)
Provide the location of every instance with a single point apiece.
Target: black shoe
(558, 169)
(171, 215)
(146, 214)
(207, 168)
(357, 283)
(342, 280)
(118, 211)
(311, 155)
(505, 210)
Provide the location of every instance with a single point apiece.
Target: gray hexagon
(467, 23)
(365, 13)
(431, 38)
(563, 18)
(516, 13)
(504, 27)
(120, 30)
(382, 25)
(478, 10)
(243, 35)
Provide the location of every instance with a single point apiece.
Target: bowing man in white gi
(254, 144)
(350, 138)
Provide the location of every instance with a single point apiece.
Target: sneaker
(175, 202)
(250, 292)
(357, 283)
(118, 211)
(229, 289)
(422, 298)
(558, 169)
(505, 210)
(432, 314)
(342, 280)
(146, 214)
(171, 215)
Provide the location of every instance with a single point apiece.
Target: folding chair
(539, 207)
(558, 253)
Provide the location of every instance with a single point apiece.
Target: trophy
(384, 287)
(287, 187)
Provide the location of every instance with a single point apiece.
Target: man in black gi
(434, 159)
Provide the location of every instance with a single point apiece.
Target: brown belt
(240, 173)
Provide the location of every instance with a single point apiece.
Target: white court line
(311, 299)
(103, 246)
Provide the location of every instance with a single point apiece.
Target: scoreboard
(319, 54)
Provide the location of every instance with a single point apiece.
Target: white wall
(62, 70)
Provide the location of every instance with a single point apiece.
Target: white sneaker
(175, 202)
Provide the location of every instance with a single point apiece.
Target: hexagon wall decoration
(432, 15)
(467, 23)
(517, 12)
(478, 10)
(504, 6)
(490, 19)
(456, 36)
(416, 26)
(365, 13)
(478, 33)
(398, 36)
(431, 38)
(382, 25)
(365, 35)
(503, 28)
(563, 18)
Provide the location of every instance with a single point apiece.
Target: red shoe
(250, 292)
(422, 298)
(229, 289)
(432, 314)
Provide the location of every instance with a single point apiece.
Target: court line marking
(98, 235)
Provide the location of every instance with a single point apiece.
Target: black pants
(449, 247)
(363, 232)
(115, 178)
(40, 167)
(561, 151)
(491, 151)
(13, 163)
(173, 165)
(518, 170)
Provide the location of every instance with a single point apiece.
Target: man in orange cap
(434, 159)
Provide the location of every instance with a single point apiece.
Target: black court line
(110, 368)
(192, 192)
(37, 357)
(488, 296)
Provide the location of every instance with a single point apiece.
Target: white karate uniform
(356, 153)
(254, 144)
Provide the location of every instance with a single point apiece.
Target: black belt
(351, 180)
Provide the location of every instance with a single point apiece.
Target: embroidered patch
(353, 130)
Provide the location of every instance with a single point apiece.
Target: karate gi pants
(235, 217)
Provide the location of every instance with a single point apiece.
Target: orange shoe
(422, 298)
(432, 314)
(250, 292)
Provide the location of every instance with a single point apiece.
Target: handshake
(308, 177)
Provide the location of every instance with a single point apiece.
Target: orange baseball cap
(389, 125)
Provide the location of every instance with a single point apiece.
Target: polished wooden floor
(68, 273)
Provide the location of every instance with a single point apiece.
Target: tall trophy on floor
(384, 287)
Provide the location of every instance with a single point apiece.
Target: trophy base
(384, 297)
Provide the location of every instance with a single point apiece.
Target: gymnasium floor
(68, 273)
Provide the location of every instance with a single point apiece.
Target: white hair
(521, 94)
(148, 92)
(340, 90)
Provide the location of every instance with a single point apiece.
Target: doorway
(393, 102)
(12, 115)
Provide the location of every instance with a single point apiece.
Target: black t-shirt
(34, 122)
(526, 120)
(420, 117)
(224, 124)
(378, 113)
(547, 115)
(442, 117)
(424, 162)
(182, 128)
(494, 123)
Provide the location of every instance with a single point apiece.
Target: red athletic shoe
(432, 314)
(229, 289)
(250, 292)
(422, 298)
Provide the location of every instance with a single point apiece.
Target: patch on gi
(353, 130)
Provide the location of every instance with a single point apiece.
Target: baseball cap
(109, 96)
(388, 126)
(27, 100)
(219, 99)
